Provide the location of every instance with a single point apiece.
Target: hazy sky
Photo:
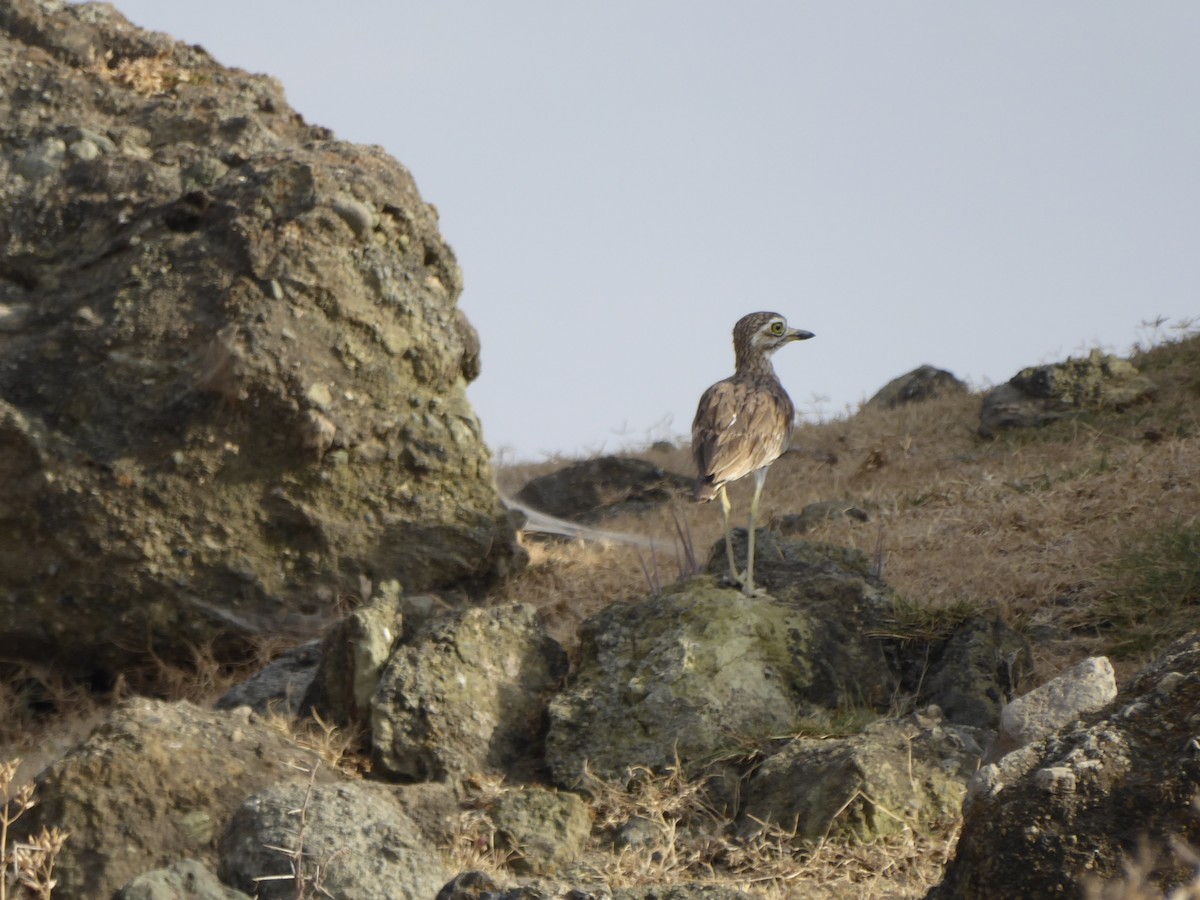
(978, 186)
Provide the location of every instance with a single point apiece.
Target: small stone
(319, 396)
(14, 317)
(1169, 682)
(85, 150)
(1055, 780)
(355, 214)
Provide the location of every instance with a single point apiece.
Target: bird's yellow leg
(725, 507)
(760, 477)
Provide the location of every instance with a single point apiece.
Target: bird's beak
(795, 334)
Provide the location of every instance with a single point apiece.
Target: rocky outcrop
(155, 782)
(675, 677)
(1039, 395)
(468, 695)
(594, 489)
(344, 840)
(1076, 805)
(922, 383)
(235, 372)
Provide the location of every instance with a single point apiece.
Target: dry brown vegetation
(1085, 535)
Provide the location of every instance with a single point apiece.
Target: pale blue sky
(978, 186)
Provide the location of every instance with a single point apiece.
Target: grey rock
(468, 695)
(544, 830)
(355, 214)
(672, 677)
(263, 406)
(1084, 688)
(353, 839)
(352, 656)
(42, 160)
(280, 686)
(895, 776)
(185, 880)
(1039, 395)
(1077, 804)
(154, 782)
(971, 674)
(922, 383)
(594, 489)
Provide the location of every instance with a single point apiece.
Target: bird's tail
(705, 489)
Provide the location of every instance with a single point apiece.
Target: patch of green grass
(1156, 592)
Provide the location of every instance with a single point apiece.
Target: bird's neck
(754, 364)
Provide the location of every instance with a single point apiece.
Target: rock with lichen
(236, 370)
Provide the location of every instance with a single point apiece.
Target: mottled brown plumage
(744, 423)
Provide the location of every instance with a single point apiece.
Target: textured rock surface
(185, 880)
(1039, 395)
(468, 695)
(356, 842)
(544, 830)
(233, 366)
(1076, 805)
(972, 673)
(280, 686)
(690, 670)
(1084, 688)
(922, 383)
(894, 776)
(353, 654)
(590, 490)
(155, 782)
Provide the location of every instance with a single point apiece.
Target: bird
(744, 423)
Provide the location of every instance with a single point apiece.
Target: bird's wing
(739, 427)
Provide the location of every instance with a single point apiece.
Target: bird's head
(762, 333)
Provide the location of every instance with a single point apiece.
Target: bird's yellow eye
(776, 327)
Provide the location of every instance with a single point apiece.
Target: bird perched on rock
(744, 423)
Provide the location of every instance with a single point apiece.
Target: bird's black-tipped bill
(797, 335)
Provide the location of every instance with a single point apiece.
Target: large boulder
(1038, 395)
(467, 695)
(235, 370)
(1075, 806)
(684, 675)
(155, 782)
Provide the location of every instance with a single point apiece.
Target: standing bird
(744, 423)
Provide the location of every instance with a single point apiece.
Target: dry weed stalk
(29, 866)
(304, 881)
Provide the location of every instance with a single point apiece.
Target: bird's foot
(742, 582)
